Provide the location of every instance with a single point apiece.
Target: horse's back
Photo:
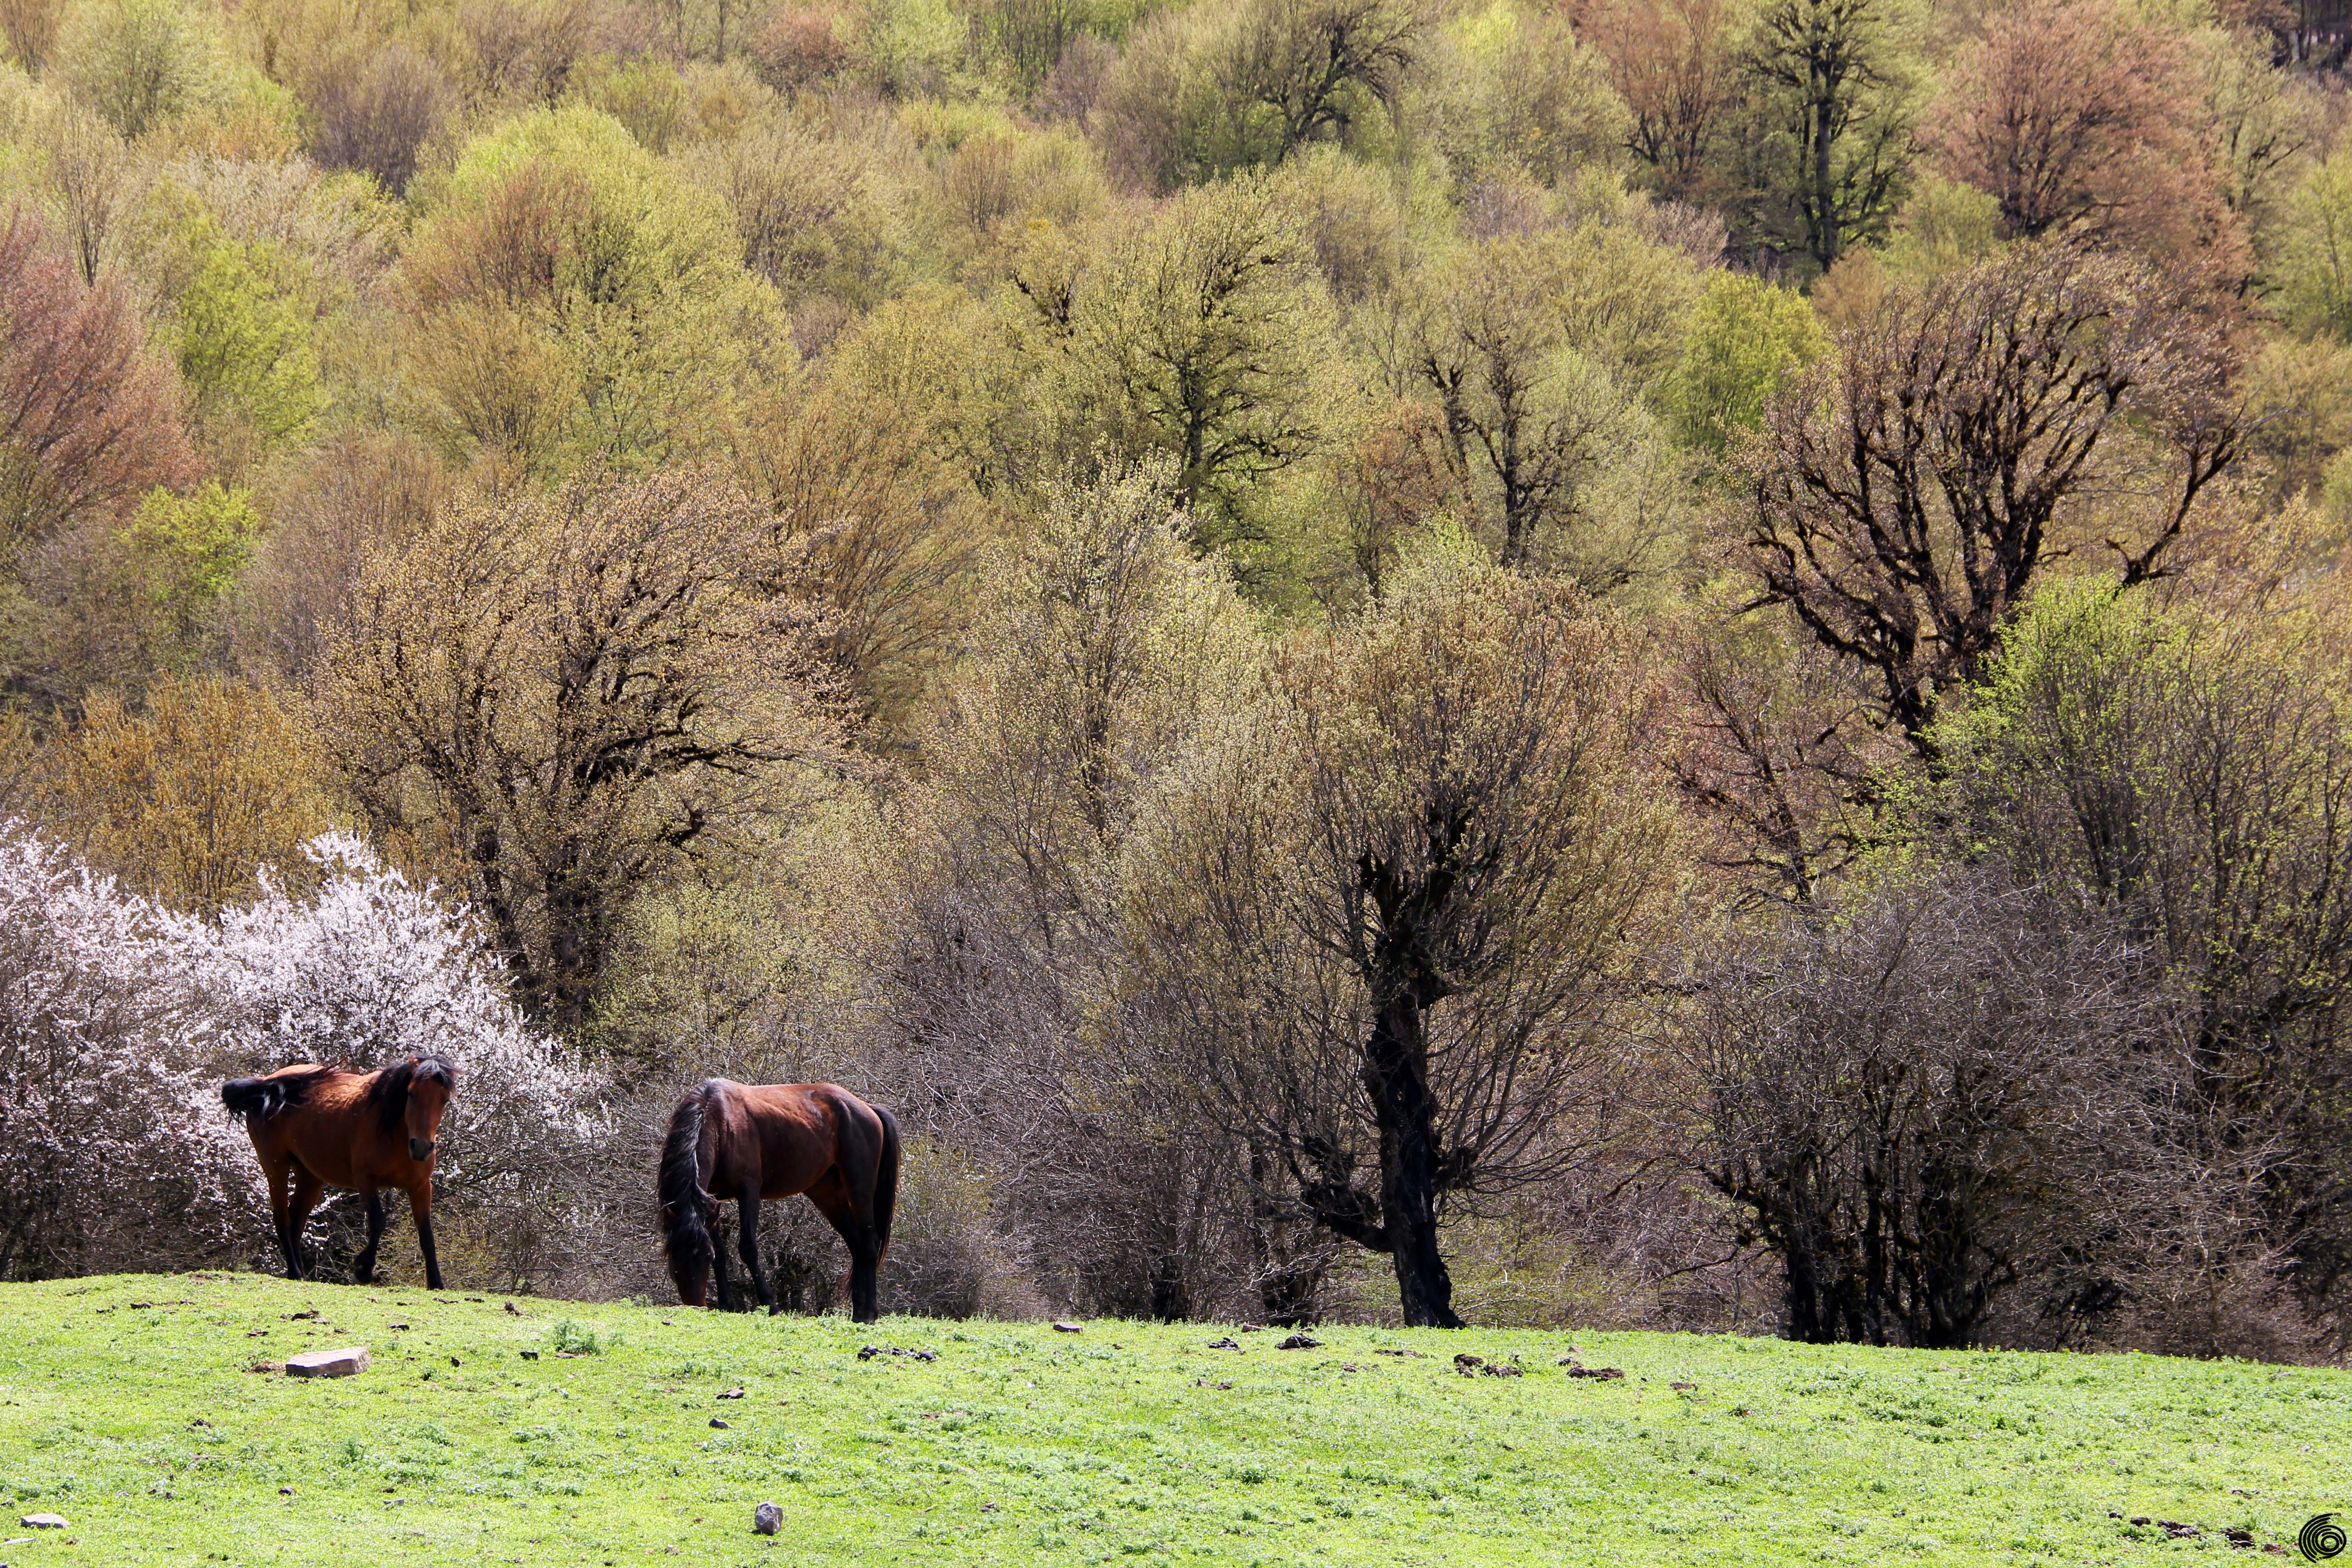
(325, 1126)
(793, 1133)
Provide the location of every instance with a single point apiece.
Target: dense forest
(1621, 663)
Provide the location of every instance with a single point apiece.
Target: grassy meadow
(570, 1432)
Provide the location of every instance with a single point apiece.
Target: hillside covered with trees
(1654, 664)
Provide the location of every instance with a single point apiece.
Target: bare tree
(1098, 646)
(1907, 493)
(1778, 754)
(375, 115)
(1388, 920)
(1937, 1095)
(566, 697)
(89, 417)
(1677, 68)
(2077, 116)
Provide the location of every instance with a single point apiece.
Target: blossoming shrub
(114, 1150)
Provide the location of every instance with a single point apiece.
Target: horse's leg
(279, 1171)
(718, 1260)
(747, 1204)
(832, 1198)
(307, 1188)
(420, 1203)
(363, 1266)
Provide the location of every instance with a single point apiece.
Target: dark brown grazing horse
(331, 1126)
(749, 1141)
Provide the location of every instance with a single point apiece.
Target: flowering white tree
(112, 1149)
(118, 1018)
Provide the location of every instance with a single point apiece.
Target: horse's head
(689, 1270)
(432, 1085)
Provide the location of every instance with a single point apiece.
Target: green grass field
(127, 1404)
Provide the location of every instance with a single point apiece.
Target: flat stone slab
(43, 1521)
(344, 1362)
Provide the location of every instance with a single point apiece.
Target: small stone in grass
(343, 1362)
(1065, 1328)
(43, 1521)
(718, 1423)
(1300, 1342)
(767, 1518)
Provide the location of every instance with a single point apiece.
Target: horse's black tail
(263, 1098)
(684, 1167)
(885, 1184)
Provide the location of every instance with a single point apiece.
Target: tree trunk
(1396, 1074)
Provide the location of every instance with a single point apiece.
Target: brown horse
(749, 1141)
(327, 1126)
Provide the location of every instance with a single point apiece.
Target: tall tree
(1678, 67)
(1834, 87)
(2075, 115)
(1386, 923)
(1197, 333)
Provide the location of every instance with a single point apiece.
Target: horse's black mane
(388, 1095)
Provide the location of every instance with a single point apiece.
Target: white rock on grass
(43, 1521)
(343, 1363)
(767, 1518)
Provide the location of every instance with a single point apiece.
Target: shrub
(187, 797)
(141, 62)
(374, 117)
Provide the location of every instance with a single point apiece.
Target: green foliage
(645, 95)
(1231, 85)
(193, 547)
(141, 62)
(566, 1337)
(2315, 267)
(576, 301)
(1514, 89)
(1126, 1441)
(1944, 224)
(1746, 338)
(1201, 332)
(1836, 87)
(245, 342)
(912, 47)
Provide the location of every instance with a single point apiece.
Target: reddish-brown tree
(2077, 116)
(1678, 69)
(89, 419)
